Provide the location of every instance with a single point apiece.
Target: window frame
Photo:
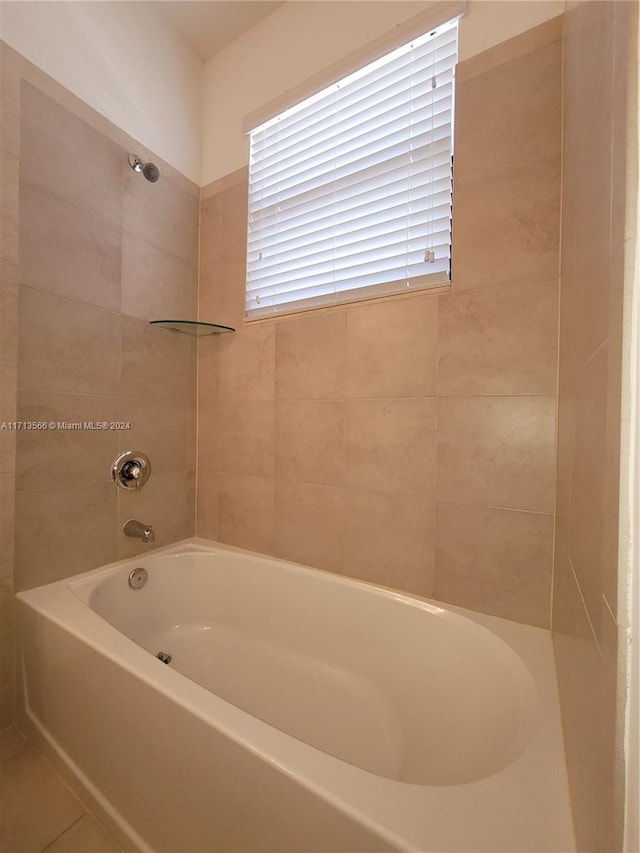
(453, 11)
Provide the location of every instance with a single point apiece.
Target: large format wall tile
(162, 214)
(9, 175)
(62, 531)
(310, 357)
(246, 511)
(498, 131)
(223, 299)
(6, 656)
(7, 510)
(507, 167)
(192, 435)
(389, 540)
(155, 284)
(578, 666)
(390, 446)
(309, 524)
(156, 364)
(310, 441)
(509, 229)
(211, 236)
(610, 830)
(11, 66)
(67, 346)
(7, 416)
(8, 323)
(497, 561)
(247, 364)
(497, 451)
(43, 455)
(68, 251)
(564, 461)
(613, 439)
(246, 437)
(499, 340)
(207, 503)
(10, 125)
(587, 482)
(585, 321)
(391, 348)
(208, 364)
(159, 428)
(234, 221)
(65, 157)
(208, 454)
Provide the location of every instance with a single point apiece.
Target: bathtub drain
(164, 657)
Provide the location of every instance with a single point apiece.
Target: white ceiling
(209, 25)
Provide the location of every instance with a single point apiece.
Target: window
(350, 190)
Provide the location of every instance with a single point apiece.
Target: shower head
(149, 170)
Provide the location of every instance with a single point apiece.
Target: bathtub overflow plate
(138, 578)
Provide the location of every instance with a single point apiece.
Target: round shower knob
(130, 471)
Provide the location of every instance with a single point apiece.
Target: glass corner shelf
(195, 328)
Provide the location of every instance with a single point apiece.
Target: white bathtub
(301, 711)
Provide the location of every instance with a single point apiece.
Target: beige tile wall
(102, 251)
(9, 200)
(408, 441)
(597, 59)
(90, 252)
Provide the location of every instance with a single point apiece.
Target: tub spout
(138, 530)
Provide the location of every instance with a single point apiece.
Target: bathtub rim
(104, 637)
(260, 738)
(524, 709)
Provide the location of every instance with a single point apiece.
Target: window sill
(345, 306)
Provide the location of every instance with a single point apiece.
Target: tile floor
(37, 811)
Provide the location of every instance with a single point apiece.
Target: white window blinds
(350, 190)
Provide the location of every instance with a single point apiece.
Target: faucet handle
(131, 470)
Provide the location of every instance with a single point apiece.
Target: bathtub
(300, 710)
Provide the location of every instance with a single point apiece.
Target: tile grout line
(23, 745)
(60, 834)
(584, 606)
